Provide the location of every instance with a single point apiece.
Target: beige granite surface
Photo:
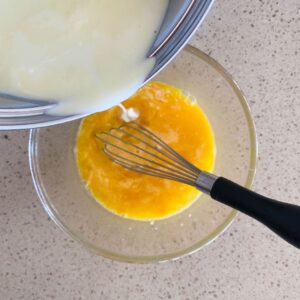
(259, 43)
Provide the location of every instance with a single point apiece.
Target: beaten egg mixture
(170, 114)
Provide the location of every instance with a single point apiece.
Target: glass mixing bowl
(64, 197)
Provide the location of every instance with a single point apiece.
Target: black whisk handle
(282, 218)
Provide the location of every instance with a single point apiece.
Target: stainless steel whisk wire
(138, 149)
(165, 162)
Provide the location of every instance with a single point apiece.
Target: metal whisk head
(136, 148)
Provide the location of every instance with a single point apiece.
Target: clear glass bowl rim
(32, 150)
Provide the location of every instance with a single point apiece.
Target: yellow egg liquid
(178, 121)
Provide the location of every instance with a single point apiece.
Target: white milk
(87, 55)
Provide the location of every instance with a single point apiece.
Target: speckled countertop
(259, 43)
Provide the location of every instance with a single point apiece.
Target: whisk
(137, 148)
